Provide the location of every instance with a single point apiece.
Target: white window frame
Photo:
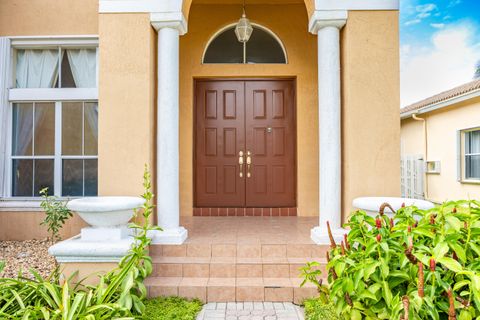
(462, 168)
(29, 95)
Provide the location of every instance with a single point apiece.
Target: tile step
(241, 250)
(232, 289)
(197, 267)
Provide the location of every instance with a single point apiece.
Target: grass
(172, 308)
(317, 310)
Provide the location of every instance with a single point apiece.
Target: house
(297, 121)
(442, 134)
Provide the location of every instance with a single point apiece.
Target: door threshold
(245, 212)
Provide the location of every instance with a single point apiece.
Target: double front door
(244, 143)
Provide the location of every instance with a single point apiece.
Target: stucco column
(169, 29)
(327, 25)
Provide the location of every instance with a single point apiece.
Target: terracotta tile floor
(249, 230)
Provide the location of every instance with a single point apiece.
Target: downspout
(425, 152)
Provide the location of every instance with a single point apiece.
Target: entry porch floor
(238, 259)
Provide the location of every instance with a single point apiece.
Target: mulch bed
(24, 255)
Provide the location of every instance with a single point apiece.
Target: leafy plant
(172, 308)
(119, 293)
(417, 265)
(316, 309)
(312, 274)
(56, 214)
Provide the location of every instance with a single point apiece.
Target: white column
(168, 198)
(327, 25)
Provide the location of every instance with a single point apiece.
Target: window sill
(470, 182)
(23, 204)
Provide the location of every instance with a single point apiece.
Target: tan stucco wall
(187, 4)
(371, 100)
(412, 137)
(126, 102)
(20, 225)
(48, 17)
(442, 127)
(301, 48)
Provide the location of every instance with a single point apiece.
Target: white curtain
(23, 129)
(83, 63)
(91, 116)
(36, 68)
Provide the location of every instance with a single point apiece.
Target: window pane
(472, 164)
(67, 76)
(225, 48)
(264, 48)
(43, 176)
(44, 128)
(72, 178)
(72, 128)
(22, 180)
(36, 68)
(472, 144)
(91, 180)
(22, 136)
(91, 129)
(83, 67)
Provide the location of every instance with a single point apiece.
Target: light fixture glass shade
(244, 29)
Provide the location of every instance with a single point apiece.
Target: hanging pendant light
(244, 28)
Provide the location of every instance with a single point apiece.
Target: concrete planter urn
(106, 212)
(371, 204)
(108, 237)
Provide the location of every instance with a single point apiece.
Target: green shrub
(119, 293)
(56, 214)
(418, 265)
(170, 308)
(316, 309)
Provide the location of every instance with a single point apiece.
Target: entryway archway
(245, 143)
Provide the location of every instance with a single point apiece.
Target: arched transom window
(263, 47)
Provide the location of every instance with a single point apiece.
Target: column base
(170, 236)
(319, 235)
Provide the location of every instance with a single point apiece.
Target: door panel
(250, 116)
(270, 137)
(220, 135)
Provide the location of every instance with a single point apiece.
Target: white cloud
(448, 62)
(412, 22)
(426, 8)
(421, 12)
(437, 25)
(454, 3)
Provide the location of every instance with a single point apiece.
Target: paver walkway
(251, 311)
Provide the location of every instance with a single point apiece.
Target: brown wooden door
(255, 117)
(270, 137)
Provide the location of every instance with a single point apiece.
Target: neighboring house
(90, 91)
(442, 135)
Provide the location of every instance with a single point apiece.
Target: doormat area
(245, 212)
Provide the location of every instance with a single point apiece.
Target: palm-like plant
(118, 295)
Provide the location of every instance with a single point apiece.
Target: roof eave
(442, 104)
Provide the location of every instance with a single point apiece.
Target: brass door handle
(249, 162)
(240, 163)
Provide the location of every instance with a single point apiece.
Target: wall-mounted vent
(432, 167)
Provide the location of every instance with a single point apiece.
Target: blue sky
(439, 45)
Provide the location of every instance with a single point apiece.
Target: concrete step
(232, 289)
(231, 267)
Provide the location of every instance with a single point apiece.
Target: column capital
(174, 20)
(323, 18)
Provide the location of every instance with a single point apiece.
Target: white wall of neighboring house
(442, 128)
